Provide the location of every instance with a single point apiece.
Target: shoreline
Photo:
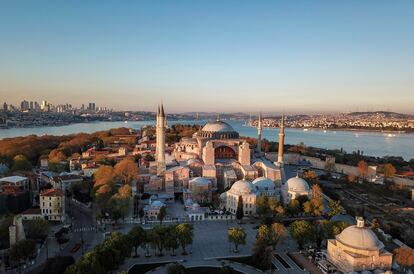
(343, 129)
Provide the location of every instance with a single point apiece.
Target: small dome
(200, 181)
(218, 126)
(360, 237)
(297, 184)
(264, 183)
(223, 196)
(196, 206)
(242, 187)
(157, 204)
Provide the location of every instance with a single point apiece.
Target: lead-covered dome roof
(219, 130)
(297, 184)
(264, 183)
(360, 237)
(242, 187)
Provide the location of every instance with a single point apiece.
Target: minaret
(160, 136)
(259, 134)
(281, 140)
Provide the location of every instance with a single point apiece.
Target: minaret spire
(281, 140)
(259, 134)
(160, 139)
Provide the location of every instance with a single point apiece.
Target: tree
(160, 237)
(175, 268)
(237, 236)
(240, 211)
(310, 176)
(37, 229)
(264, 234)
(335, 208)
(302, 232)
(276, 208)
(185, 235)
(161, 214)
(127, 170)
(388, 170)
(20, 163)
(172, 239)
(405, 257)
(262, 254)
(136, 237)
(22, 250)
(278, 231)
(293, 207)
(363, 169)
(104, 175)
(262, 206)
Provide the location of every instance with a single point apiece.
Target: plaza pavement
(210, 244)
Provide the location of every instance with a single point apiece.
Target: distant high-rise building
(44, 106)
(5, 108)
(36, 106)
(24, 105)
(31, 107)
(91, 106)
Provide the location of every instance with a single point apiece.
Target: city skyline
(217, 57)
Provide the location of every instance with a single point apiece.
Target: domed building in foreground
(295, 187)
(249, 192)
(357, 248)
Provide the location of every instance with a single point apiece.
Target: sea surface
(371, 143)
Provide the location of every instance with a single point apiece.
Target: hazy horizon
(212, 56)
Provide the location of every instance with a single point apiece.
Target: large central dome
(218, 126)
(218, 130)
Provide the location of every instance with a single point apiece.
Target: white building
(18, 181)
(52, 204)
(247, 191)
(295, 187)
(357, 248)
(152, 210)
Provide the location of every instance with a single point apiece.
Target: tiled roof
(51, 192)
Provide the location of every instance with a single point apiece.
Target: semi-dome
(200, 181)
(297, 184)
(360, 237)
(264, 183)
(242, 187)
(218, 130)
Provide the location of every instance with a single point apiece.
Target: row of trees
(109, 255)
(305, 232)
(270, 210)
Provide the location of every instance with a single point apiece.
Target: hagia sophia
(216, 160)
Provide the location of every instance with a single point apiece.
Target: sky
(271, 56)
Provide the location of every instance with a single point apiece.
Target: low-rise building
(18, 181)
(52, 204)
(357, 248)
